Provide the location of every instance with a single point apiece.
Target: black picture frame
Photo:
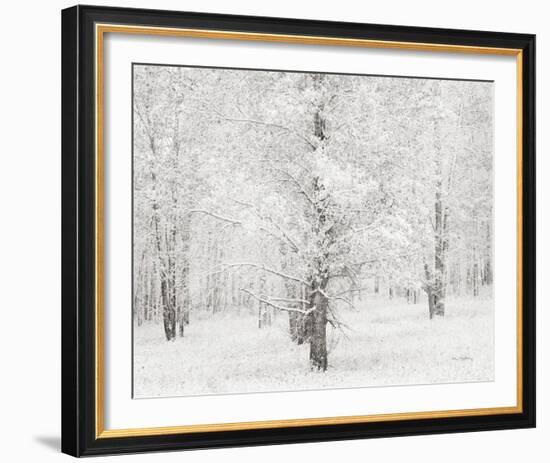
(79, 407)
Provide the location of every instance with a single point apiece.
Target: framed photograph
(282, 231)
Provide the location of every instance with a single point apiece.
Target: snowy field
(385, 345)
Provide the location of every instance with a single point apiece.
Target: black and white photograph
(303, 231)
(275, 231)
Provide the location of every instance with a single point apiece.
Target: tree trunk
(300, 327)
(262, 308)
(475, 279)
(185, 297)
(260, 304)
(316, 321)
(430, 304)
(296, 321)
(168, 312)
(184, 307)
(318, 340)
(167, 291)
(441, 244)
(294, 328)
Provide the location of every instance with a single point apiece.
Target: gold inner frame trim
(100, 31)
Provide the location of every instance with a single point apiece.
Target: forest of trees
(295, 194)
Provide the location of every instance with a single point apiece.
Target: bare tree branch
(337, 324)
(276, 306)
(286, 299)
(270, 124)
(267, 269)
(296, 182)
(335, 297)
(351, 290)
(216, 216)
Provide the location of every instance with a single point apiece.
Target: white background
(30, 230)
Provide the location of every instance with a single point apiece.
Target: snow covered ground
(388, 343)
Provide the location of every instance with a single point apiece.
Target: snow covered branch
(287, 299)
(216, 216)
(270, 124)
(277, 306)
(370, 226)
(294, 180)
(351, 290)
(266, 269)
(336, 297)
